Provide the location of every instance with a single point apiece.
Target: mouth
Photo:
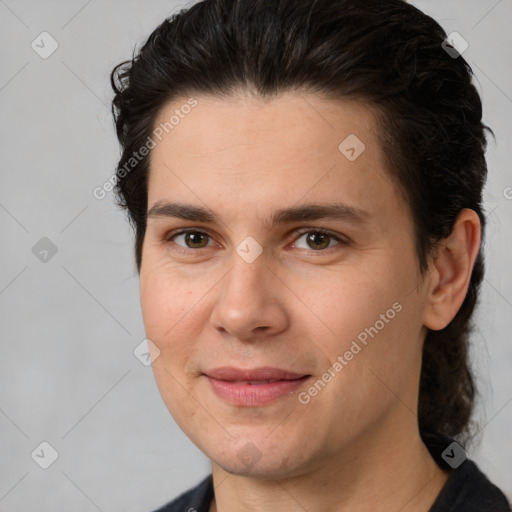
(252, 388)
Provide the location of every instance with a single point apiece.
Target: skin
(298, 306)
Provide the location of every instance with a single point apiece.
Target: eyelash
(299, 233)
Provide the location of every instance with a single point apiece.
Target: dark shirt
(466, 490)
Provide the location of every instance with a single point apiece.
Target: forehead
(242, 150)
(290, 118)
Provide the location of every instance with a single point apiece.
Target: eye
(193, 239)
(318, 239)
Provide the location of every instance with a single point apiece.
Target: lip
(238, 387)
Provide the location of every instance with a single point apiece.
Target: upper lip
(265, 373)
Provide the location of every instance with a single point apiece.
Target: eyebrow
(305, 212)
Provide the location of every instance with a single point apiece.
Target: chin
(263, 468)
(259, 458)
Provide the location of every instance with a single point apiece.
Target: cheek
(351, 303)
(165, 294)
(374, 325)
(168, 316)
(166, 307)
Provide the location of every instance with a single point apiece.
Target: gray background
(68, 375)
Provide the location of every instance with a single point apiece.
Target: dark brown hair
(383, 52)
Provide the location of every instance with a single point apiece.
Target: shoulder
(467, 488)
(196, 499)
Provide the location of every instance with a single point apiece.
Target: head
(268, 94)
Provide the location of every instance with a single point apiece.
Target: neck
(388, 471)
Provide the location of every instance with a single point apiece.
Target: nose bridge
(247, 280)
(248, 299)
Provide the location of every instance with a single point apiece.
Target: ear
(451, 270)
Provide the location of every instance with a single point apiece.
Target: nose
(251, 301)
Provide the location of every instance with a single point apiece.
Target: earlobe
(451, 270)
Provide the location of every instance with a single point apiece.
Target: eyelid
(297, 233)
(174, 233)
(338, 237)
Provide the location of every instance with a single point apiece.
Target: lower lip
(252, 395)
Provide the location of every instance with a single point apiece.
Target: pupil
(191, 237)
(312, 237)
(315, 238)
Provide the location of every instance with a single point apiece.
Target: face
(279, 282)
